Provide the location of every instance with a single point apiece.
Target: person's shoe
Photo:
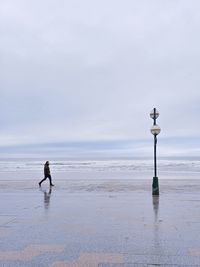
(51, 184)
(39, 184)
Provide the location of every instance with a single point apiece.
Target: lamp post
(155, 130)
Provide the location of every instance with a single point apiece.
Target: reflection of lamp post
(155, 130)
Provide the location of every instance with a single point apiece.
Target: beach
(105, 222)
(99, 103)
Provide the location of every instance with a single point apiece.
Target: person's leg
(42, 181)
(50, 180)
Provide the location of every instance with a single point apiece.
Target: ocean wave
(101, 166)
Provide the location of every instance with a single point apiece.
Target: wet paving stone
(108, 226)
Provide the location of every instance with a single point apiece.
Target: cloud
(80, 71)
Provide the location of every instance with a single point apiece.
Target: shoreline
(104, 185)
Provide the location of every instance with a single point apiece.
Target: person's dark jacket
(46, 170)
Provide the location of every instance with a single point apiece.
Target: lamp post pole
(155, 143)
(155, 130)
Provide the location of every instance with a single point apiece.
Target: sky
(79, 78)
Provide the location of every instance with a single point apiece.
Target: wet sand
(99, 223)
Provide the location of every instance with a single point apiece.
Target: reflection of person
(47, 198)
(47, 174)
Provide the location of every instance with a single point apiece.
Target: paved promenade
(100, 224)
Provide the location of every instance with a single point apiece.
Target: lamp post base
(155, 187)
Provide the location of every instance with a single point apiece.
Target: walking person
(47, 174)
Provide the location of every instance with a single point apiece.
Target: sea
(137, 168)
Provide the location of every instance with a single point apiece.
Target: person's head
(47, 163)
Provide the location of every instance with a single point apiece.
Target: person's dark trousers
(50, 181)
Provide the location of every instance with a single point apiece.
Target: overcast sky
(80, 77)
